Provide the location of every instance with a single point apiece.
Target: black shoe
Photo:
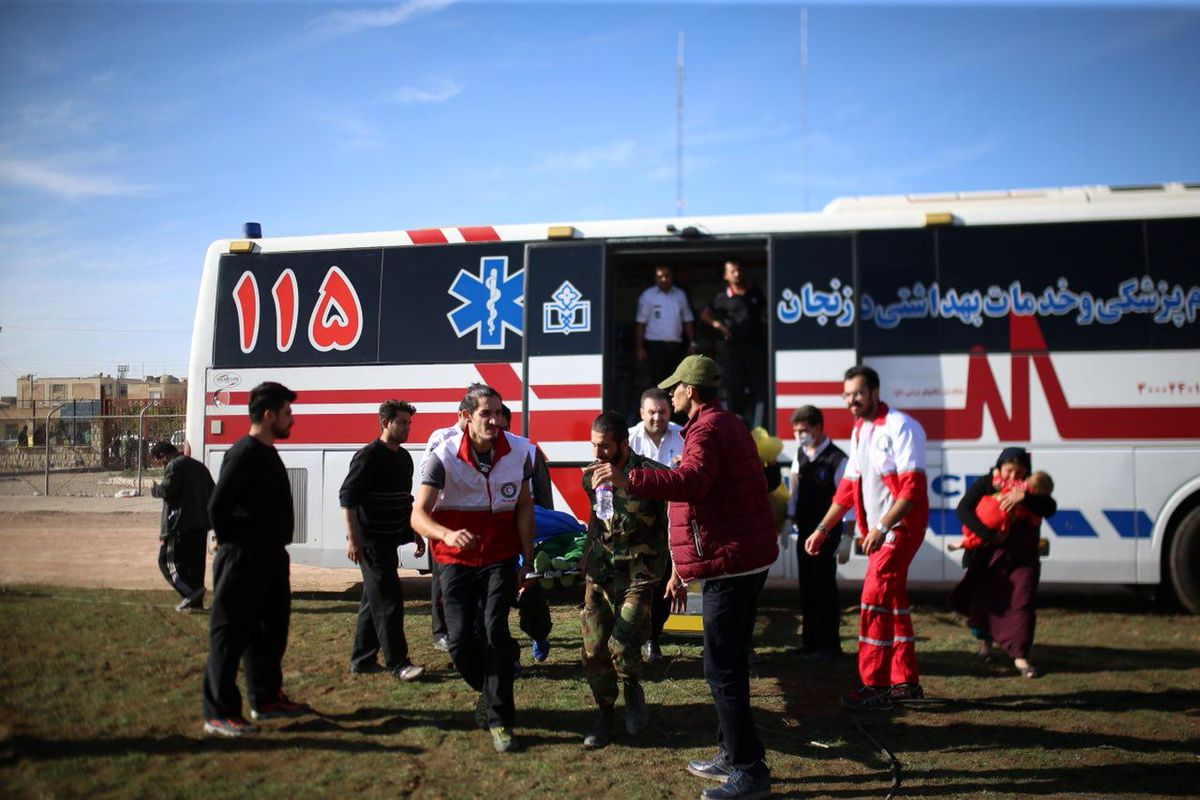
(906, 691)
(869, 698)
(652, 654)
(601, 732)
(637, 716)
(369, 668)
(742, 785)
(716, 769)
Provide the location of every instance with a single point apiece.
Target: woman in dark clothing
(998, 592)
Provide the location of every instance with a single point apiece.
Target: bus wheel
(1184, 562)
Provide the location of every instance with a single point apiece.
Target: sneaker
(481, 712)
(370, 668)
(652, 652)
(228, 726)
(279, 708)
(742, 785)
(637, 716)
(869, 698)
(441, 643)
(540, 649)
(601, 732)
(503, 739)
(409, 672)
(193, 602)
(906, 691)
(716, 769)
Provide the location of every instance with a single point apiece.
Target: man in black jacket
(252, 516)
(185, 491)
(376, 500)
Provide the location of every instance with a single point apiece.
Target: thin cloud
(347, 23)
(437, 92)
(59, 182)
(614, 154)
(61, 116)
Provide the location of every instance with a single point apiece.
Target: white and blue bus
(1062, 320)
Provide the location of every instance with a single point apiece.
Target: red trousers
(886, 647)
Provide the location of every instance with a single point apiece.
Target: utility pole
(679, 202)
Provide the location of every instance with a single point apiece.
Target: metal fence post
(141, 439)
(48, 414)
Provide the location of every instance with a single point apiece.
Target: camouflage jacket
(635, 539)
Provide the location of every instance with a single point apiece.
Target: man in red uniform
(885, 485)
(474, 506)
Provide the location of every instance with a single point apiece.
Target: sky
(132, 134)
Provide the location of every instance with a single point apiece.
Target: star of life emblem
(569, 313)
(491, 303)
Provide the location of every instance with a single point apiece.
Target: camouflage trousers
(615, 622)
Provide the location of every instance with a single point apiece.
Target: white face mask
(804, 439)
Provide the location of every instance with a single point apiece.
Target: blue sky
(133, 134)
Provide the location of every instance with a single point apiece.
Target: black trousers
(251, 607)
(819, 602)
(728, 613)
(381, 612)
(660, 608)
(181, 560)
(533, 613)
(477, 601)
(743, 376)
(437, 615)
(661, 360)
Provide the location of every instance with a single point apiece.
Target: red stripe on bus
(326, 429)
(809, 387)
(411, 395)
(480, 233)
(427, 236)
(563, 391)
(569, 483)
(503, 378)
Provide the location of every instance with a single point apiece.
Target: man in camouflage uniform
(626, 558)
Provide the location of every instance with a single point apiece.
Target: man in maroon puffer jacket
(722, 532)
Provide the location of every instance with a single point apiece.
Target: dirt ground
(106, 543)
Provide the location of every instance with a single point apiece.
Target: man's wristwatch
(883, 529)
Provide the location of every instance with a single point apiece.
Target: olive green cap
(694, 371)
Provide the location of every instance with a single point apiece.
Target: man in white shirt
(664, 329)
(658, 439)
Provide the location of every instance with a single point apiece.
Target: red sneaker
(230, 726)
(280, 708)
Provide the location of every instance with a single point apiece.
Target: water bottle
(604, 502)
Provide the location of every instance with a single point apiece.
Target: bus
(1062, 320)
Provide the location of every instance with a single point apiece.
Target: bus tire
(1184, 562)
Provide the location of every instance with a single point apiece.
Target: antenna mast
(804, 102)
(679, 125)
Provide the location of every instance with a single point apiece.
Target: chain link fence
(71, 451)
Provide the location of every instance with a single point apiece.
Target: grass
(99, 696)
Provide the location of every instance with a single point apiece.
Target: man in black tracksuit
(185, 491)
(251, 513)
(815, 475)
(376, 499)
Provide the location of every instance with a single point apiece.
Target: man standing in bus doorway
(739, 314)
(885, 485)
(664, 328)
(816, 473)
(624, 566)
(376, 500)
(251, 514)
(474, 506)
(722, 532)
(658, 439)
(185, 490)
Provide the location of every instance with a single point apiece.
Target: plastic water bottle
(604, 501)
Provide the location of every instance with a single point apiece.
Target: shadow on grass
(1061, 659)
(36, 748)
